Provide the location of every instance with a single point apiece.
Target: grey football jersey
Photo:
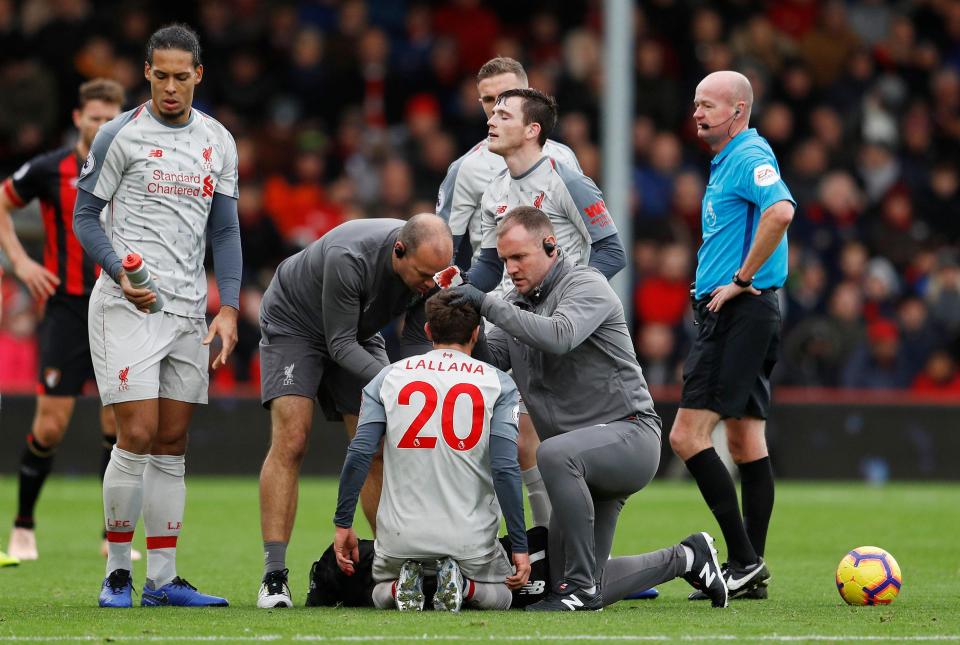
(569, 198)
(439, 409)
(159, 181)
(458, 200)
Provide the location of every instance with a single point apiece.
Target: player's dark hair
(502, 65)
(420, 228)
(536, 107)
(450, 324)
(175, 36)
(101, 89)
(530, 218)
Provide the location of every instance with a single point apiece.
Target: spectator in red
(298, 204)
(665, 296)
(939, 376)
(880, 363)
(473, 27)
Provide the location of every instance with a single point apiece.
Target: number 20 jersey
(440, 409)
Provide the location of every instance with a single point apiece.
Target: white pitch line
(490, 638)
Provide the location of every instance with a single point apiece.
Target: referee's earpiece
(398, 250)
(549, 247)
(737, 113)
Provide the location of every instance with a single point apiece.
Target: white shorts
(494, 566)
(139, 356)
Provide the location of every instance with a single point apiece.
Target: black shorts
(413, 340)
(65, 364)
(728, 369)
(299, 366)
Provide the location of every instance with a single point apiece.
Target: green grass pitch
(54, 599)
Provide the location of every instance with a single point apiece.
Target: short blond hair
(502, 65)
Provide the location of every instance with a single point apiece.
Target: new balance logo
(156, 153)
(533, 588)
(707, 575)
(501, 209)
(288, 374)
(207, 186)
(572, 602)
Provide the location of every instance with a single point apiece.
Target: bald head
(723, 103)
(424, 247)
(426, 229)
(731, 86)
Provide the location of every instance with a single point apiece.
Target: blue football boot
(117, 590)
(179, 593)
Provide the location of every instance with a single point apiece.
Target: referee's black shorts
(65, 363)
(728, 369)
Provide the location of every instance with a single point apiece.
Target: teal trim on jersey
(447, 188)
(506, 410)
(528, 171)
(90, 172)
(172, 126)
(738, 193)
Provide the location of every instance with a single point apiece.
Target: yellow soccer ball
(868, 575)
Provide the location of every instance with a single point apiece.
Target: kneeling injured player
(449, 428)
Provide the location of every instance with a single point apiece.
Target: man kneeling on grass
(449, 429)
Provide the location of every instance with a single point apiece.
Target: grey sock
(274, 557)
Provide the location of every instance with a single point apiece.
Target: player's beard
(173, 116)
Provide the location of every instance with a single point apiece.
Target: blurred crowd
(355, 108)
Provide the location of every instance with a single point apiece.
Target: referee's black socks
(35, 464)
(716, 486)
(756, 487)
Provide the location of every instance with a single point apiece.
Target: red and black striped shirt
(52, 178)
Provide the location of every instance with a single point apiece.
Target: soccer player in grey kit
(564, 333)
(320, 320)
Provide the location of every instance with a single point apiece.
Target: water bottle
(140, 278)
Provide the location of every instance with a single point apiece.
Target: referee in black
(740, 265)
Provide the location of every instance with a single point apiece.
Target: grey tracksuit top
(570, 350)
(340, 291)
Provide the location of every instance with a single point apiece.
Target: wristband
(743, 284)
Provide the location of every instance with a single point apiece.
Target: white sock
(591, 590)
(486, 595)
(164, 494)
(537, 494)
(122, 498)
(383, 595)
(687, 551)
